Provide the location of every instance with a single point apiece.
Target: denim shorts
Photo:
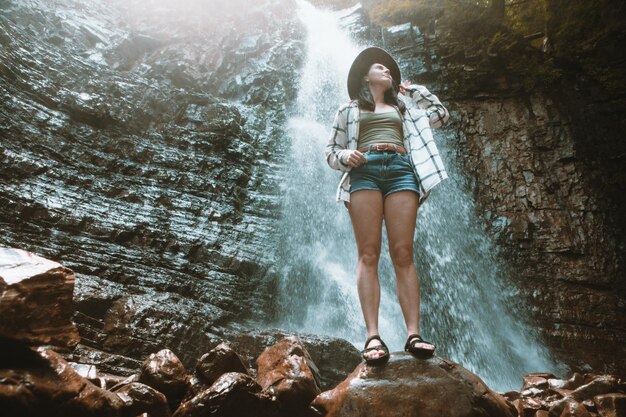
(386, 172)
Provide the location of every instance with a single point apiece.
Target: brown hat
(362, 64)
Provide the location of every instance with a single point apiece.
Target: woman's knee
(369, 258)
(402, 256)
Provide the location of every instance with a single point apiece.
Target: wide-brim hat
(362, 64)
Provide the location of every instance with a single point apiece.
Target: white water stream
(466, 299)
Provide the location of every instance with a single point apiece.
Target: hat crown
(364, 61)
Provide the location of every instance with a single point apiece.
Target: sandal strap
(375, 337)
(412, 337)
(377, 347)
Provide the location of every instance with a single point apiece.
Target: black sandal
(382, 346)
(418, 351)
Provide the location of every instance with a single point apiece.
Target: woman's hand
(402, 87)
(355, 159)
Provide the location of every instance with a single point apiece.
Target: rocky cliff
(139, 146)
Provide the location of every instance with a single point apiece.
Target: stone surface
(286, 371)
(407, 386)
(36, 299)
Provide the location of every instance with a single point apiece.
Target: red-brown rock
(140, 398)
(407, 386)
(232, 395)
(335, 358)
(218, 361)
(36, 299)
(287, 371)
(164, 372)
(536, 380)
(611, 405)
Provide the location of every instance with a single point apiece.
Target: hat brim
(362, 64)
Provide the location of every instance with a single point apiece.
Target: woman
(390, 164)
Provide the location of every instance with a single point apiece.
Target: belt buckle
(380, 148)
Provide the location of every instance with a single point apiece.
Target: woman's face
(379, 74)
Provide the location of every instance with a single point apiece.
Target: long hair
(366, 101)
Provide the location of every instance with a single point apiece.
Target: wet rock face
(124, 156)
(407, 386)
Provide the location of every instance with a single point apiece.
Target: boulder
(406, 386)
(287, 371)
(36, 299)
(42, 383)
(602, 384)
(233, 395)
(218, 361)
(164, 372)
(140, 398)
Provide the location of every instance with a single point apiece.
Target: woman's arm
(336, 152)
(437, 114)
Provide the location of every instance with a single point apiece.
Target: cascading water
(465, 309)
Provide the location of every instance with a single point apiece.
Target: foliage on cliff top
(589, 36)
(532, 42)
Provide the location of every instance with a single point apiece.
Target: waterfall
(466, 305)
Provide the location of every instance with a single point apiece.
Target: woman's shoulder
(348, 105)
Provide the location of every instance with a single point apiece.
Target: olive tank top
(380, 128)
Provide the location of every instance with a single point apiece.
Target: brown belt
(380, 147)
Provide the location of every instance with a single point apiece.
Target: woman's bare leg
(366, 213)
(400, 213)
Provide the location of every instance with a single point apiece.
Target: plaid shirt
(417, 123)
